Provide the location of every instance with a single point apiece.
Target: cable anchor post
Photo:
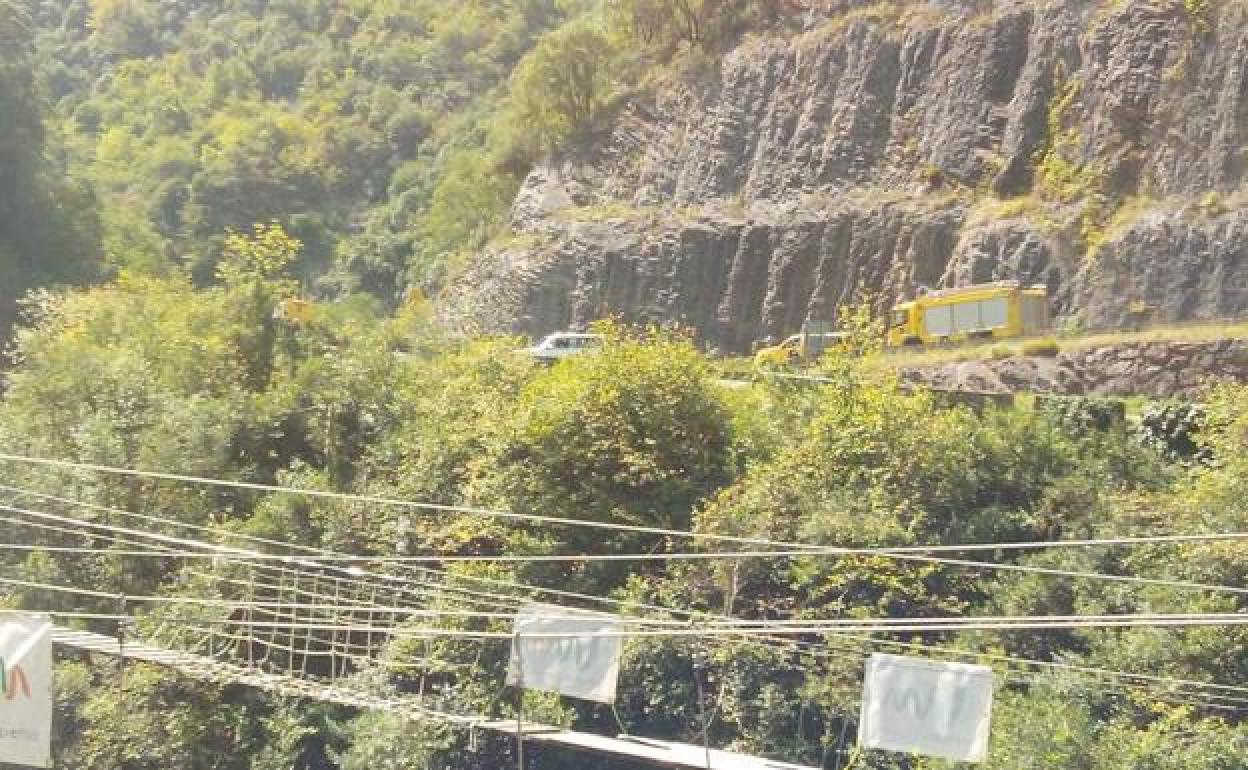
(518, 654)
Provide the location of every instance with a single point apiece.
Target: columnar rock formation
(1096, 147)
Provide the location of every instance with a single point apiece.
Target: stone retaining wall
(1155, 369)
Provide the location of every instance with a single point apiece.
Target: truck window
(938, 321)
(899, 318)
(994, 312)
(966, 316)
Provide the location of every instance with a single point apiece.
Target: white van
(564, 344)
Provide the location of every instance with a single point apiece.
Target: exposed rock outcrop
(734, 279)
(1156, 369)
(883, 150)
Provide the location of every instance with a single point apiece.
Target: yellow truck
(295, 310)
(984, 311)
(806, 346)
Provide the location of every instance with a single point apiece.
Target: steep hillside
(1097, 147)
(377, 133)
(47, 228)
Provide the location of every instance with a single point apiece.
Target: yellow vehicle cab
(984, 311)
(295, 310)
(799, 347)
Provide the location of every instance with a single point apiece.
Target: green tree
(20, 152)
(469, 205)
(125, 28)
(253, 271)
(565, 86)
(706, 24)
(22, 143)
(387, 742)
(635, 435)
(157, 720)
(45, 229)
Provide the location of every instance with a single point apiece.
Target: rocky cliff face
(1096, 147)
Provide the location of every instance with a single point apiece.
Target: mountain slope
(370, 130)
(1097, 147)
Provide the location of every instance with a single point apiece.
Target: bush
(563, 87)
(1071, 326)
(708, 25)
(1172, 429)
(1082, 415)
(999, 352)
(1046, 347)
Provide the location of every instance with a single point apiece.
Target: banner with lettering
(571, 652)
(926, 707)
(26, 689)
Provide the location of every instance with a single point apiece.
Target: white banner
(26, 689)
(556, 650)
(927, 707)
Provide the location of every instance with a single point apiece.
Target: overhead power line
(773, 624)
(1121, 678)
(476, 596)
(66, 614)
(801, 626)
(311, 555)
(225, 553)
(635, 529)
(910, 624)
(652, 556)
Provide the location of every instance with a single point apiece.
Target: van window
(562, 342)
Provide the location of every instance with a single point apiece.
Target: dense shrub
(1082, 414)
(1046, 348)
(1172, 429)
